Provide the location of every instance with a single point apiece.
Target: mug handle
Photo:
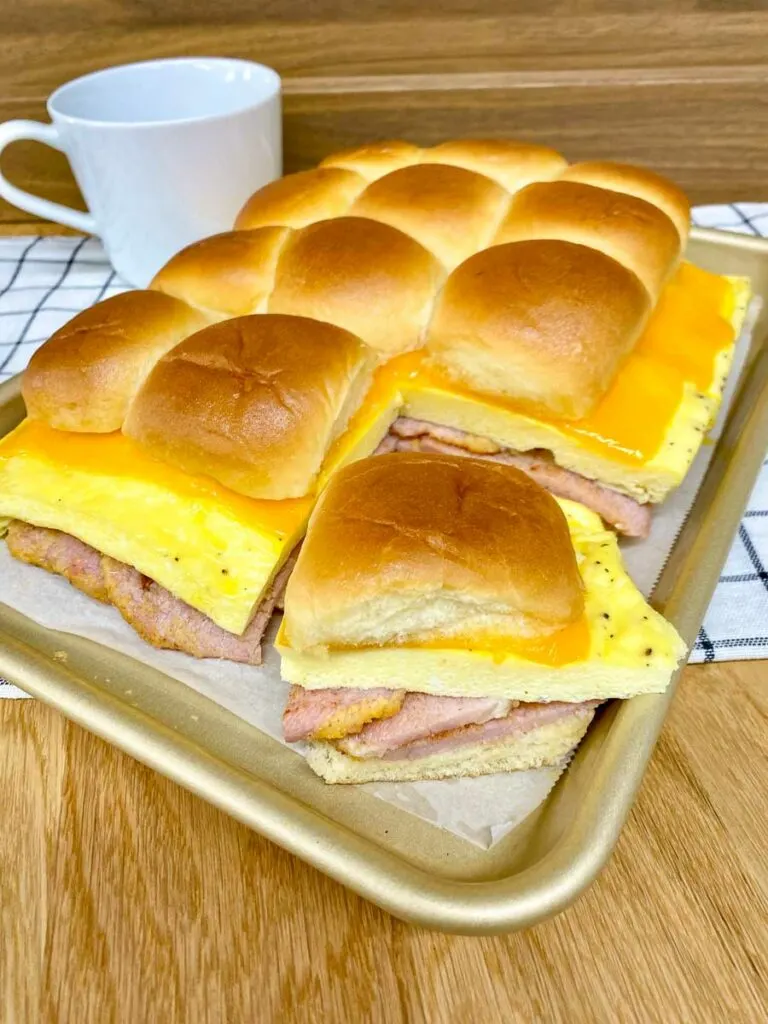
(13, 131)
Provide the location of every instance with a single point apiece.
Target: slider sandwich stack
(173, 478)
(448, 617)
(481, 298)
(542, 313)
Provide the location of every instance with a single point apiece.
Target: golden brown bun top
(364, 276)
(396, 534)
(253, 402)
(512, 164)
(230, 274)
(302, 198)
(640, 182)
(636, 233)
(547, 322)
(375, 159)
(84, 377)
(450, 211)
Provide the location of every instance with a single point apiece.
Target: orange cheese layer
(116, 455)
(572, 643)
(690, 325)
(680, 345)
(560, 648)
(385, 386)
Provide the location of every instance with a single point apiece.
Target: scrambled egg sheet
(210, 547)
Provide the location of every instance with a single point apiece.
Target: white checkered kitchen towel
(44, 281)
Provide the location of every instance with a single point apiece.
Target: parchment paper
(480, 810)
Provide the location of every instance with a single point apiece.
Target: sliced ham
(58, 553)
(329, 714)
(280, 581)
(519, 721)
(415, 724)
(626, 514)
(406, 427)
(157, 616)
(422, 715)
(167, 622)
(387, 444)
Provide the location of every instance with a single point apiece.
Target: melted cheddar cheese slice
(619, 648)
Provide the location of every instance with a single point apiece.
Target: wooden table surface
(125, 899)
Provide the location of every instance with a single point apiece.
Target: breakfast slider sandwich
(578, 346)
(170, 470)
(448, 617)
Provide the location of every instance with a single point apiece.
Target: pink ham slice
(167, 622)
(425, 724)
(157, 616)
(280, 581)
(619, 510)
(521, 720)
(58, 553)
(422, 715)
(387, 444)
(309, 712)
(406, 427)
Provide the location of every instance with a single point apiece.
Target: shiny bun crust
(632, 231)
(450, 211)
(511, 164)
(413, 546)
(253, 402)
(361, 275)
(87, 373)
(302, 198)
(375, 159)
(636, 181)
(231, 274)
(545, 322)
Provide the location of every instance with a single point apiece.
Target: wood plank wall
(681, 85)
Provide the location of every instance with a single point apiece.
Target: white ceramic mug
(165, 152)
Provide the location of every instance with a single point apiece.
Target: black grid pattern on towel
(44, 281)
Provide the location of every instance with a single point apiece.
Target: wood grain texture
(126, 899)
(677, 84)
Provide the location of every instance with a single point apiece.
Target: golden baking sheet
(416, 871)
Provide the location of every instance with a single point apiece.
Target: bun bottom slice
(448, 618)
(545, 745)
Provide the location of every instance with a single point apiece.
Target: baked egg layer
(214, 549)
